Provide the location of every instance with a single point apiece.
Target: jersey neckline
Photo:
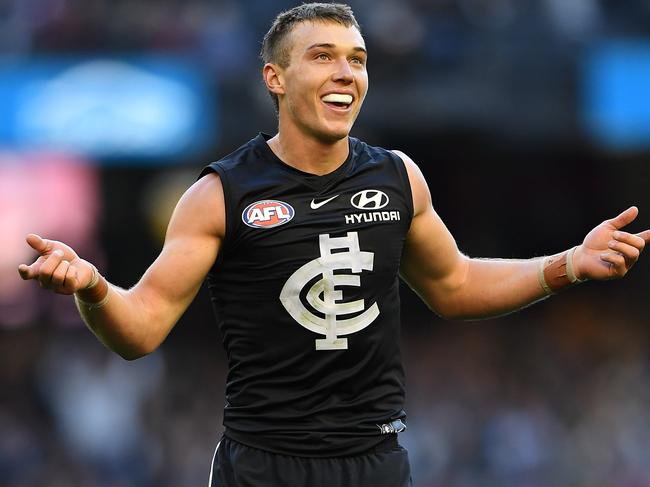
(319, 183)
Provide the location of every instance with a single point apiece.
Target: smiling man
(316, 74)
(303, 237)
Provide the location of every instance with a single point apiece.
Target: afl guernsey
(305, 291)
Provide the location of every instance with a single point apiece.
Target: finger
(645, 235)
(48, 267)
(39, 244)
(28, 271)
(630, 239)
(625, 218)
(629, 252)
(59, 274)
(72, 279)
(31, 271)
(69, 284)
(617, 262)
(24, 271)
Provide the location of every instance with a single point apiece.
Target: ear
(272, 74)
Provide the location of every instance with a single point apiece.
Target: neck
(309, 154)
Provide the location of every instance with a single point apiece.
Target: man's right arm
(134, 322)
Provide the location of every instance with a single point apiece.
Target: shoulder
(419, 187)
(373, 153)
(397, 157)
(366, 154)
(201, 207)
(409, 163)
(206, 189)
(250, 151)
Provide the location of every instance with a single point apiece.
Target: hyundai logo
(369, 199)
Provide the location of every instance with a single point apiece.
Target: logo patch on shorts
(267, 214)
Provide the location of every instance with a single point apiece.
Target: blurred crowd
(447, 63)
(213, 28)
(555, 395)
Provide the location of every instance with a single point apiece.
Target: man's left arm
(458, 287)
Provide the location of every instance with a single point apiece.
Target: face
(323, 88)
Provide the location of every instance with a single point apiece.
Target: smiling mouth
(338, 100)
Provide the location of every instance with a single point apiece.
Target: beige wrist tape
(557, 272)
(94, 280)
(96, 294)
(92, 305)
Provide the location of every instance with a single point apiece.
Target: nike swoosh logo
(315, 206)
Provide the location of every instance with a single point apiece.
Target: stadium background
(531, 122)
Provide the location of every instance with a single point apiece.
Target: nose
(343, 72)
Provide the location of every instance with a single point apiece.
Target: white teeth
(338, 98)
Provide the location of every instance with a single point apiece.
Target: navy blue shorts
(238, 465)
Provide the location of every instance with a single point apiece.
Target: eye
(323, 57)
(357, 60)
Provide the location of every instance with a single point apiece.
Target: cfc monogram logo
(336, 254)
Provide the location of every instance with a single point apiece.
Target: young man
(302, 237)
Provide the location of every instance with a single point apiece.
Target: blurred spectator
(96, 400)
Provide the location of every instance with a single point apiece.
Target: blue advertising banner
(107, 108)
(616, 94)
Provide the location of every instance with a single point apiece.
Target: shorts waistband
(387, 442)
(390, 443)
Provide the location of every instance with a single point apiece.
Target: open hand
(58, 267)
(607, 252)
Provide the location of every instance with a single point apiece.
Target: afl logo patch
(267, 214)
(369, 199)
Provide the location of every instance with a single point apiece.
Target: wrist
(94, 279)
(558, 271)
(96, 293)
(572, 268)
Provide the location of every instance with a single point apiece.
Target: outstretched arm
(134, 322)
(458, 287)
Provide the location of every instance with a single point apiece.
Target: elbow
(448, 313)
(132, 353)
(447, 297)
(448, 309)
(458, 312)
(130, 348)
(440, 306)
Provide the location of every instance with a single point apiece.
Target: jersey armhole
(215, 167)
(406, 182)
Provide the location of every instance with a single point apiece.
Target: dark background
(488, 97)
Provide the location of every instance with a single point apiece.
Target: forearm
(494, 287)
(119, 318)
(134, 322)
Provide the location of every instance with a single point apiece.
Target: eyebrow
(327, 45)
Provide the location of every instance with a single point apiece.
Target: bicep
(431, 263)
(191, 246)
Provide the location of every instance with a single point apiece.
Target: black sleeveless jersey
(305, 290)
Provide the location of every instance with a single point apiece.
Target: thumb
(39, 244)
(625, 218)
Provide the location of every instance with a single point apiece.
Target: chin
(333, 137)
(332, 134)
